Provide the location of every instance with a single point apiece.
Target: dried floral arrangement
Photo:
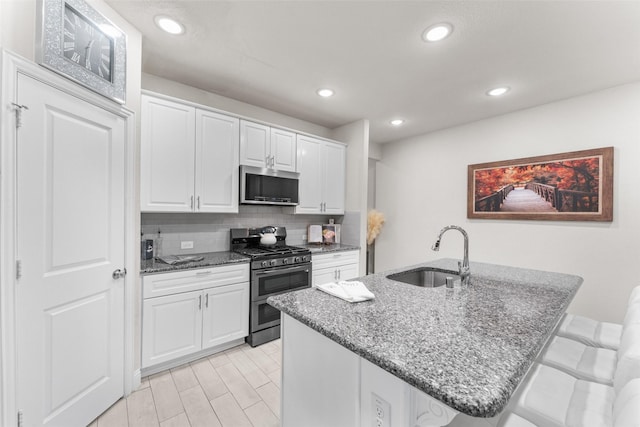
(375, 220)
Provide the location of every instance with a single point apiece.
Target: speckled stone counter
(210, 259)
(316, 248)
(468, 347)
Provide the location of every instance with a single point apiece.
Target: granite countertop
(468, 347)
(210, 259)
(319, 248)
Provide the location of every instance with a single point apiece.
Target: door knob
(119, 274)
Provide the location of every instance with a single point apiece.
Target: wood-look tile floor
(239, 387)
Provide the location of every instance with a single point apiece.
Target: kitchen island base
(325, 384)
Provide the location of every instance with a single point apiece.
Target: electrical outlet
(381, 412)
(186, 244)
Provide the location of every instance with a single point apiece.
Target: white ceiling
(276, 54)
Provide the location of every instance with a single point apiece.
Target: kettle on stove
(268, 237)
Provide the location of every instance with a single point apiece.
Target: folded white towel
(349, 291)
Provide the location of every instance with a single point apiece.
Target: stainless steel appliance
(263, 186)
(275, 269)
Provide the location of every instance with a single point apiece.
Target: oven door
(263, 316)
(272, 281)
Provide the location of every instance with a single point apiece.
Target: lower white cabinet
(226, 314)
(180, 324)
(172, 327)
(335, 266)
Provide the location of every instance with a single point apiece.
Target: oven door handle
(281, 270)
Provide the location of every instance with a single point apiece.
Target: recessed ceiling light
(437, 32)
(498, 91)
(169, 25)
(397, 122)
(325, 93)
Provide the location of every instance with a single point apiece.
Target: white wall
(356, 135)
(422, 186)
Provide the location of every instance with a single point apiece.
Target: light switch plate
(186, 244)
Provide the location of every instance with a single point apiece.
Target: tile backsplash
(209, 232)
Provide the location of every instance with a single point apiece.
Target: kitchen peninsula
(416, 356)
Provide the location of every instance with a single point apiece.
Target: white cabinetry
(321, 165)
(334, 266)
(265, 147)
(189, 311)
(189, 158)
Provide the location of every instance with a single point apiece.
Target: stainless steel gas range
(275, 269)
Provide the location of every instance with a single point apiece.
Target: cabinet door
(226, 314)
(283, 150)
(310, 181)
(171, 327)
(217, 162)
(326, 275)
(166, 156)
(255, 142)
(348, 272)
(334, 160)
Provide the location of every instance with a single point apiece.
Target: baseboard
(154, 369)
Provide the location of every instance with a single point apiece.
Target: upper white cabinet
(321, 165)
(266, 147)
(189, 158)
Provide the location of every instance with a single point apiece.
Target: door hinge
(18, 110)
(19, 418)
(18, 269)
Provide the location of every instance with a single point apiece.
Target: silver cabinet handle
(206, 301)
(339, 274)
(200, 302)
(191, 202)
(119, 274)
(198, 202)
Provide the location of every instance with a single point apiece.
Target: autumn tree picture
(578, 183)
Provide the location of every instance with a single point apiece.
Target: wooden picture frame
(78, 42)
(573, 186)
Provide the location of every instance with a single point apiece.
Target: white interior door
(70, 239)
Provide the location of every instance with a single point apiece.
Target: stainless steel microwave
(263, 186)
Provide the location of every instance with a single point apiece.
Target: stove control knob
(305, 258)
(297, 259)
(273, 262)
(285, 261)
(265, 264)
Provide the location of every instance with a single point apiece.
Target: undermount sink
(426, 277)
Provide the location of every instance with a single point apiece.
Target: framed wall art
(574, 186)
(76, 41)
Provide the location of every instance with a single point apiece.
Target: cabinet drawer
(335, 259)
(192, 280)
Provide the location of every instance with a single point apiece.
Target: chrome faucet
(463, 267)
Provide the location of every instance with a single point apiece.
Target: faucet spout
(463, 268)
